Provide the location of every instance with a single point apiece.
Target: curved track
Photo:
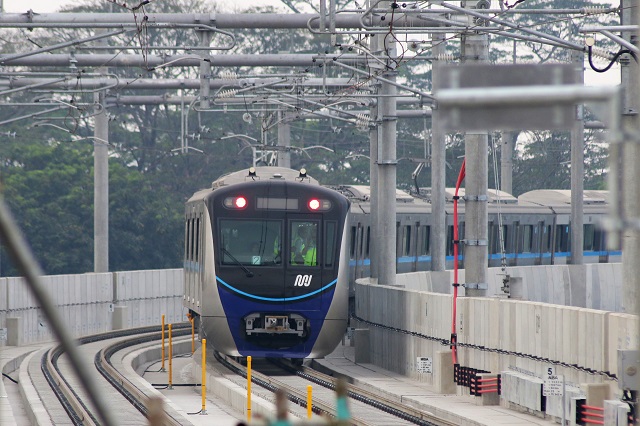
(366, 408)
(118, 389)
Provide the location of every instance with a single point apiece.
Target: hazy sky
(44, 6)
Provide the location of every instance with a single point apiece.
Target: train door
(303, 257)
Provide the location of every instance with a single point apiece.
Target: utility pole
(101, 180)
(577, 169)
(631, 172)
(476, 151)
(373, 169)
(284, 140)
(387, 168)
(438, 168)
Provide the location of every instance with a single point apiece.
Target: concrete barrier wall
(531, 336)
(594, 285)
(86, 303)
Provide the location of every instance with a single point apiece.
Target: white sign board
(424, 364)
(553, 383)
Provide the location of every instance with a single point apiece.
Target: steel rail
(76, 409)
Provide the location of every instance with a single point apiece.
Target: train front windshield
(251, 242)
(259, 242)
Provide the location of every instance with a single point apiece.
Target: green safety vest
(310, 257)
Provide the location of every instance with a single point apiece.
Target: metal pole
(631, 172)
(577, 170)
(506, 161)
(387, 171)
(284, 139)
(374, 133)
(101, 186)
(476, 144)
(438, 170)
(205, 71)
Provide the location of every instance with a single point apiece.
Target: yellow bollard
(170, 360)
(309, 401)
(204, 376)
(249, 388)
(162, 367)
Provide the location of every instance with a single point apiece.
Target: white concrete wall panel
(84, 301)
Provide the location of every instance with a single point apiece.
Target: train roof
(263, 173)
(493, 195)
(363, 193)
(562, 197)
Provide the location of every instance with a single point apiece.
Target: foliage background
(46, 174)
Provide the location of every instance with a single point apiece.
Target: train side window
(368, 241)
(398, 240)
(424, 247)
(360, 240)
(186, 240)
(406, 240)
(197, 244)
(192, 238)
(562, 238)
(505, 240)
(589, 237)
(352, 244)
(329, 244)
(450, 240)
(527, 238)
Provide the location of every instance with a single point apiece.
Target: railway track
(365, 408)
(119, 390)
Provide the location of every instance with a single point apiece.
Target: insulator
(595, 10)
(362, 121)
(228, 75)
(601, 53)
(448, 57)
(226, 94)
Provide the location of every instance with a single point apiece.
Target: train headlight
(315, 204)
(235, 202)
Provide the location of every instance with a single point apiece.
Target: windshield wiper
(237, 262)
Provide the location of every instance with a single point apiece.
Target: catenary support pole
(577, 170)
(631, 172)
(373, 169)
(506, 161)
(284, 140)
(476, 49)
(438, 169)
(101, 184)
(387, 169)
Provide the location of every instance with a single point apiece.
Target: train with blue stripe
(266, 272)
(271, 257)
(532, 229)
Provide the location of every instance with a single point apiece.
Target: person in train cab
(309, 256)
(298, 246)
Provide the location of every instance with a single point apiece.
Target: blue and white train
(271, 256)
(536, 229)
(266, 272)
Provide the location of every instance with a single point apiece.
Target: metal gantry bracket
(475, 242)
(476, 286)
